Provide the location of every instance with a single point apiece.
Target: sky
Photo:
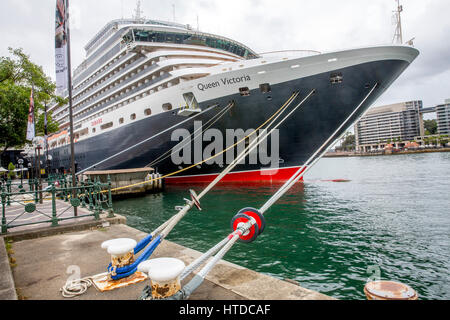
(263, 25)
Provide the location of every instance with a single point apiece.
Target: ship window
(106, 125)
(336, 78)
(172, 37)
(93, 130)
(148, 112)
(265, 88)
(133, 116)
(167, 106)
(245, 91)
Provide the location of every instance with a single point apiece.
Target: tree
(14, 101)
(17, 76)
(430, 127)
(11, 173)
(52, 126)
(348, 142)
(443, 140)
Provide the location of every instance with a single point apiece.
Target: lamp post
(49, 159)
(20, 162)
(29, 171)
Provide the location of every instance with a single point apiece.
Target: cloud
(263, 25)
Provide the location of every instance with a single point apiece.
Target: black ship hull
(307, 129)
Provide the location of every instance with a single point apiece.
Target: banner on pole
(31, 126)
(61, 46)
(45, 127)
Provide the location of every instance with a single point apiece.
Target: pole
(35, 173)
(69, 74)
(400, 9)
(39, 173)
(47, 162)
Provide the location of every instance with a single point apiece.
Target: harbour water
(390, 220)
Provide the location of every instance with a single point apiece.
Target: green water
(392, 220)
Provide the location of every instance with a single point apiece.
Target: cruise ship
(143, 81)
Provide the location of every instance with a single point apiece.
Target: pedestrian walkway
(17, 215)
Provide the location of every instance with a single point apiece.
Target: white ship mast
(398, 35)
(138, 11)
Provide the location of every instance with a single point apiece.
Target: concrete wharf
(38, 261)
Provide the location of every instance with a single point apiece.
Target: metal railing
(20, 207)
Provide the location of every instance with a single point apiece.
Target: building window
(133, 116)
(167, 106)
(245, 91)
(148, 112)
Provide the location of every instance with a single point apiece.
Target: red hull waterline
(263, 176)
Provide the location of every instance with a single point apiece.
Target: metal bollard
(90, 192)
(4, 226)
(97, 202)
(83, 198)
(36, 189)
(110, 207)
(8, 192)
(54, 217)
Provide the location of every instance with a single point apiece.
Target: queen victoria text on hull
(144, 81)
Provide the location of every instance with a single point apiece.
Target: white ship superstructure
(129, 63)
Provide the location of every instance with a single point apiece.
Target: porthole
(148, 112)
(133, 116)
(265, 88)
(245, 91)
(167, 106)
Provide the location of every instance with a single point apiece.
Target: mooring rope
(173, 221)
(195, 134)
(226, 244)
(241, 156)
(77, 287)
(314, 158)
(144, 141)
(210, 158)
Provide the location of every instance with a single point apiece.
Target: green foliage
(11, 169)
(17, 76)
(443, 140)
(430, 127)
(14, 104)
(52, 126)
(348, 143)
